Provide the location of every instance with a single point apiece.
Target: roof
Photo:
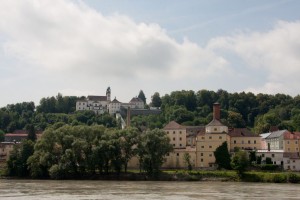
(97, 98)
(264, 135)
(215, 122)
(294, 155)
(291, 136)
(115, 101)
(173, 125)
(241, 132)
(276, 134)
(136, 99)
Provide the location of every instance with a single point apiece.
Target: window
(262, 155)
(203, 138)
(173, 139)
(254, 141)
(177, 154)
(173, 132)
(296, 142)
(168, 154)
(220, 137)
(180, 132)
(215, 129)
(167, 132)
(242, 141)
(180, 138)
(180, 144)
(273, 155)
(210, 155)
(210, 137)
(201, 154)
(202, 147)
(79, 103)
(173, 145)
(234, 141)
(249, 142)
(210, 147)
(288, 142)
(201, 159)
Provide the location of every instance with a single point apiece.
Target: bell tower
(108, 93)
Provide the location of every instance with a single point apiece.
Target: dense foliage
(222, 156)
(76, 151)
(260, 112)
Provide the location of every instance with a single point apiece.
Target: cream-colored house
(244, 139)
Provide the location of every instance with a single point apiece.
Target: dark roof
(241, 132)
(97, 98)
(115, 101)
(215, 122)
(291, 136)
(276, 134)
(135, 99)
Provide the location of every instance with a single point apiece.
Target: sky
(81, 47)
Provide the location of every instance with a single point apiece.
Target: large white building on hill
(102, 104)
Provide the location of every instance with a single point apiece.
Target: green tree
(31, 132)
(235, 120)
(153, 146)
(2, 136)
(17, 162)
(156, 100)
(222, 156)
(187, 160)
(142, 96)
(240, 162)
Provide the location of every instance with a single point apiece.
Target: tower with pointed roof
(108, 94)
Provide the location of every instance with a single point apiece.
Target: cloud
(67, 37)
(276, 52)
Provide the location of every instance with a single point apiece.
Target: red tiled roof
(173, 125)
(291, 136)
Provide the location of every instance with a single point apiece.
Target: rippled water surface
(45, 189)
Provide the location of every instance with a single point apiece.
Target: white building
(102, 104)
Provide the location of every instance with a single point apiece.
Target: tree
(142, 96)
(187, 160)
(153, 146)
(222, 156)
(235, 120)
(17, 162)
(156, 100)
(31, 132)
(2, 134)
(240, 162)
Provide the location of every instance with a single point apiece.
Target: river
(133, 190)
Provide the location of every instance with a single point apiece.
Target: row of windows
(210, 137)
(249, 142)
(288, 142)
(210, 155)
(174, 132)
(179, 139)
(179, 145)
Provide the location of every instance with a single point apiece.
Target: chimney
(216, 110)
(128, 117)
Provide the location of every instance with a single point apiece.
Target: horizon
(79, 48)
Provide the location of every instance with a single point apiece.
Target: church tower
(108, 93)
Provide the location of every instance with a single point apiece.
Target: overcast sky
(80, 48)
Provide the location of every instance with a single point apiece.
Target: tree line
(77, 151)
(258, 112)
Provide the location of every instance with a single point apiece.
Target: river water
(133, 190)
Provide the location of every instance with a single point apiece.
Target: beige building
(242, 138)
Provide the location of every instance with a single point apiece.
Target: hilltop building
(102, 104)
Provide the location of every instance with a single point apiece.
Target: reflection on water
(45, 189)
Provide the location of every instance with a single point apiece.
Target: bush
(294, 178)
(269, 167)
(279, 178)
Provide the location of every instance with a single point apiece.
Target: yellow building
(244, 139)
(215, 134)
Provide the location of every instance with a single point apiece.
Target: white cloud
(276, 52)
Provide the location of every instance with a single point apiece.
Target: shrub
(279, 178)
(269, 167)
(294, 178)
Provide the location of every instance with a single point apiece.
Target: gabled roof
(215, 122)
(97, 98)
(276, 134)
(135, 99)
(115, 101)
(264, 135)
(173, 125)
(241, 132)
